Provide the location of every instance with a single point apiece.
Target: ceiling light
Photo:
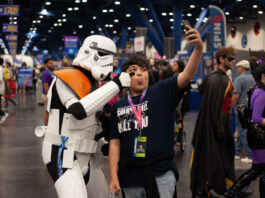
(60, 24)
(117, 3)
(15, 22)
(99, 29)
(146, 9)
(70, 9)
(171, 27)
(111, 25)
(255, 6)
(94, 17)
(192, 6)
(164, 14)
(50, 31)
(38, 21)
(202, 8)
(63, 15)
(48, 3)
(227, 13)
(64, 20)
(170, 14)
(260, 12)
(15, 18)
(41, 16)
(55, 24)
(111, 10)
(44, 12)
(116, 20)
(91, 32)
(189, 14)
(241, 18)
(84, 1)
(77, 1)
(34, 21)
(74, 32)
(76, 8)
(197, 19)
(106, 25)
(129, 28)
(171, 20)
(80, 26)
(151, 20)
(104, 11)
(205, 19)
(59, 20)
(114, 32)
(128, 15)
(142, 9)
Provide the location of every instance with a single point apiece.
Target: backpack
(256, 133)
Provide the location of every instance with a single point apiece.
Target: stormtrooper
(74, 98)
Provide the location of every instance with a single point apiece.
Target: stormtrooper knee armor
(69, 148)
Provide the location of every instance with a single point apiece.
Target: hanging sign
(9, 10)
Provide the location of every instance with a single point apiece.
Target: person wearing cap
(241, 86)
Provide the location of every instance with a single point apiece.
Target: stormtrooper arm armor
(88, 105)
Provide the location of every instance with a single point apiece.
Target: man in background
(240, 96)
(47, 78)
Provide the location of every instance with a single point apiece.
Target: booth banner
(217, 28)
(139, 44)
(9, 10)
(70, 44)
(25, 76)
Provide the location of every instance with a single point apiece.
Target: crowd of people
(141, 105)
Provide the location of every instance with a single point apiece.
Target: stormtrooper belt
(74, 143)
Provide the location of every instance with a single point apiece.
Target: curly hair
(135, 60)
(224, 52)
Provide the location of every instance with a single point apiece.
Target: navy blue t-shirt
(158, 110)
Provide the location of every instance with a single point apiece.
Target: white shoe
(237, 157)
(246, 159)
(3, 118)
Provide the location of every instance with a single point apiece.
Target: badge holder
(140, 146)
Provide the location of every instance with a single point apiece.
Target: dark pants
(1, 112)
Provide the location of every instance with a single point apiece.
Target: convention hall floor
(22, 173)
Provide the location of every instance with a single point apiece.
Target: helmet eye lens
(102, 53)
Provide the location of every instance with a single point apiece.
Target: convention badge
(68, 158)
(139, 146)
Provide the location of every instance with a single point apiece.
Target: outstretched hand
(193, 37)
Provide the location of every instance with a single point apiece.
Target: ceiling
(96, 16)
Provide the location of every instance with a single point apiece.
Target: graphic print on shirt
(127, 120)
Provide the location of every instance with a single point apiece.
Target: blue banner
(25, 76)
(70, 44)
(11, 37)
(10, 28)
(217, 28)
(9, 10)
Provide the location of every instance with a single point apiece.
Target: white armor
(80, 132)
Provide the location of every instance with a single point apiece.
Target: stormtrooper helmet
(96, 55)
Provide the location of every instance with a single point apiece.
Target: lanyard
(138, 114)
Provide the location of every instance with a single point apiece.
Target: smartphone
(184, 23)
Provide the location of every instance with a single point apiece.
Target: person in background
(212, 161)
(241, 86)
(142, 129)
(47, 78)
(22, 88)
(256, 139)
(183, 106)
(2, 91)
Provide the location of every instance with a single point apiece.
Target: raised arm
(184, 77)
